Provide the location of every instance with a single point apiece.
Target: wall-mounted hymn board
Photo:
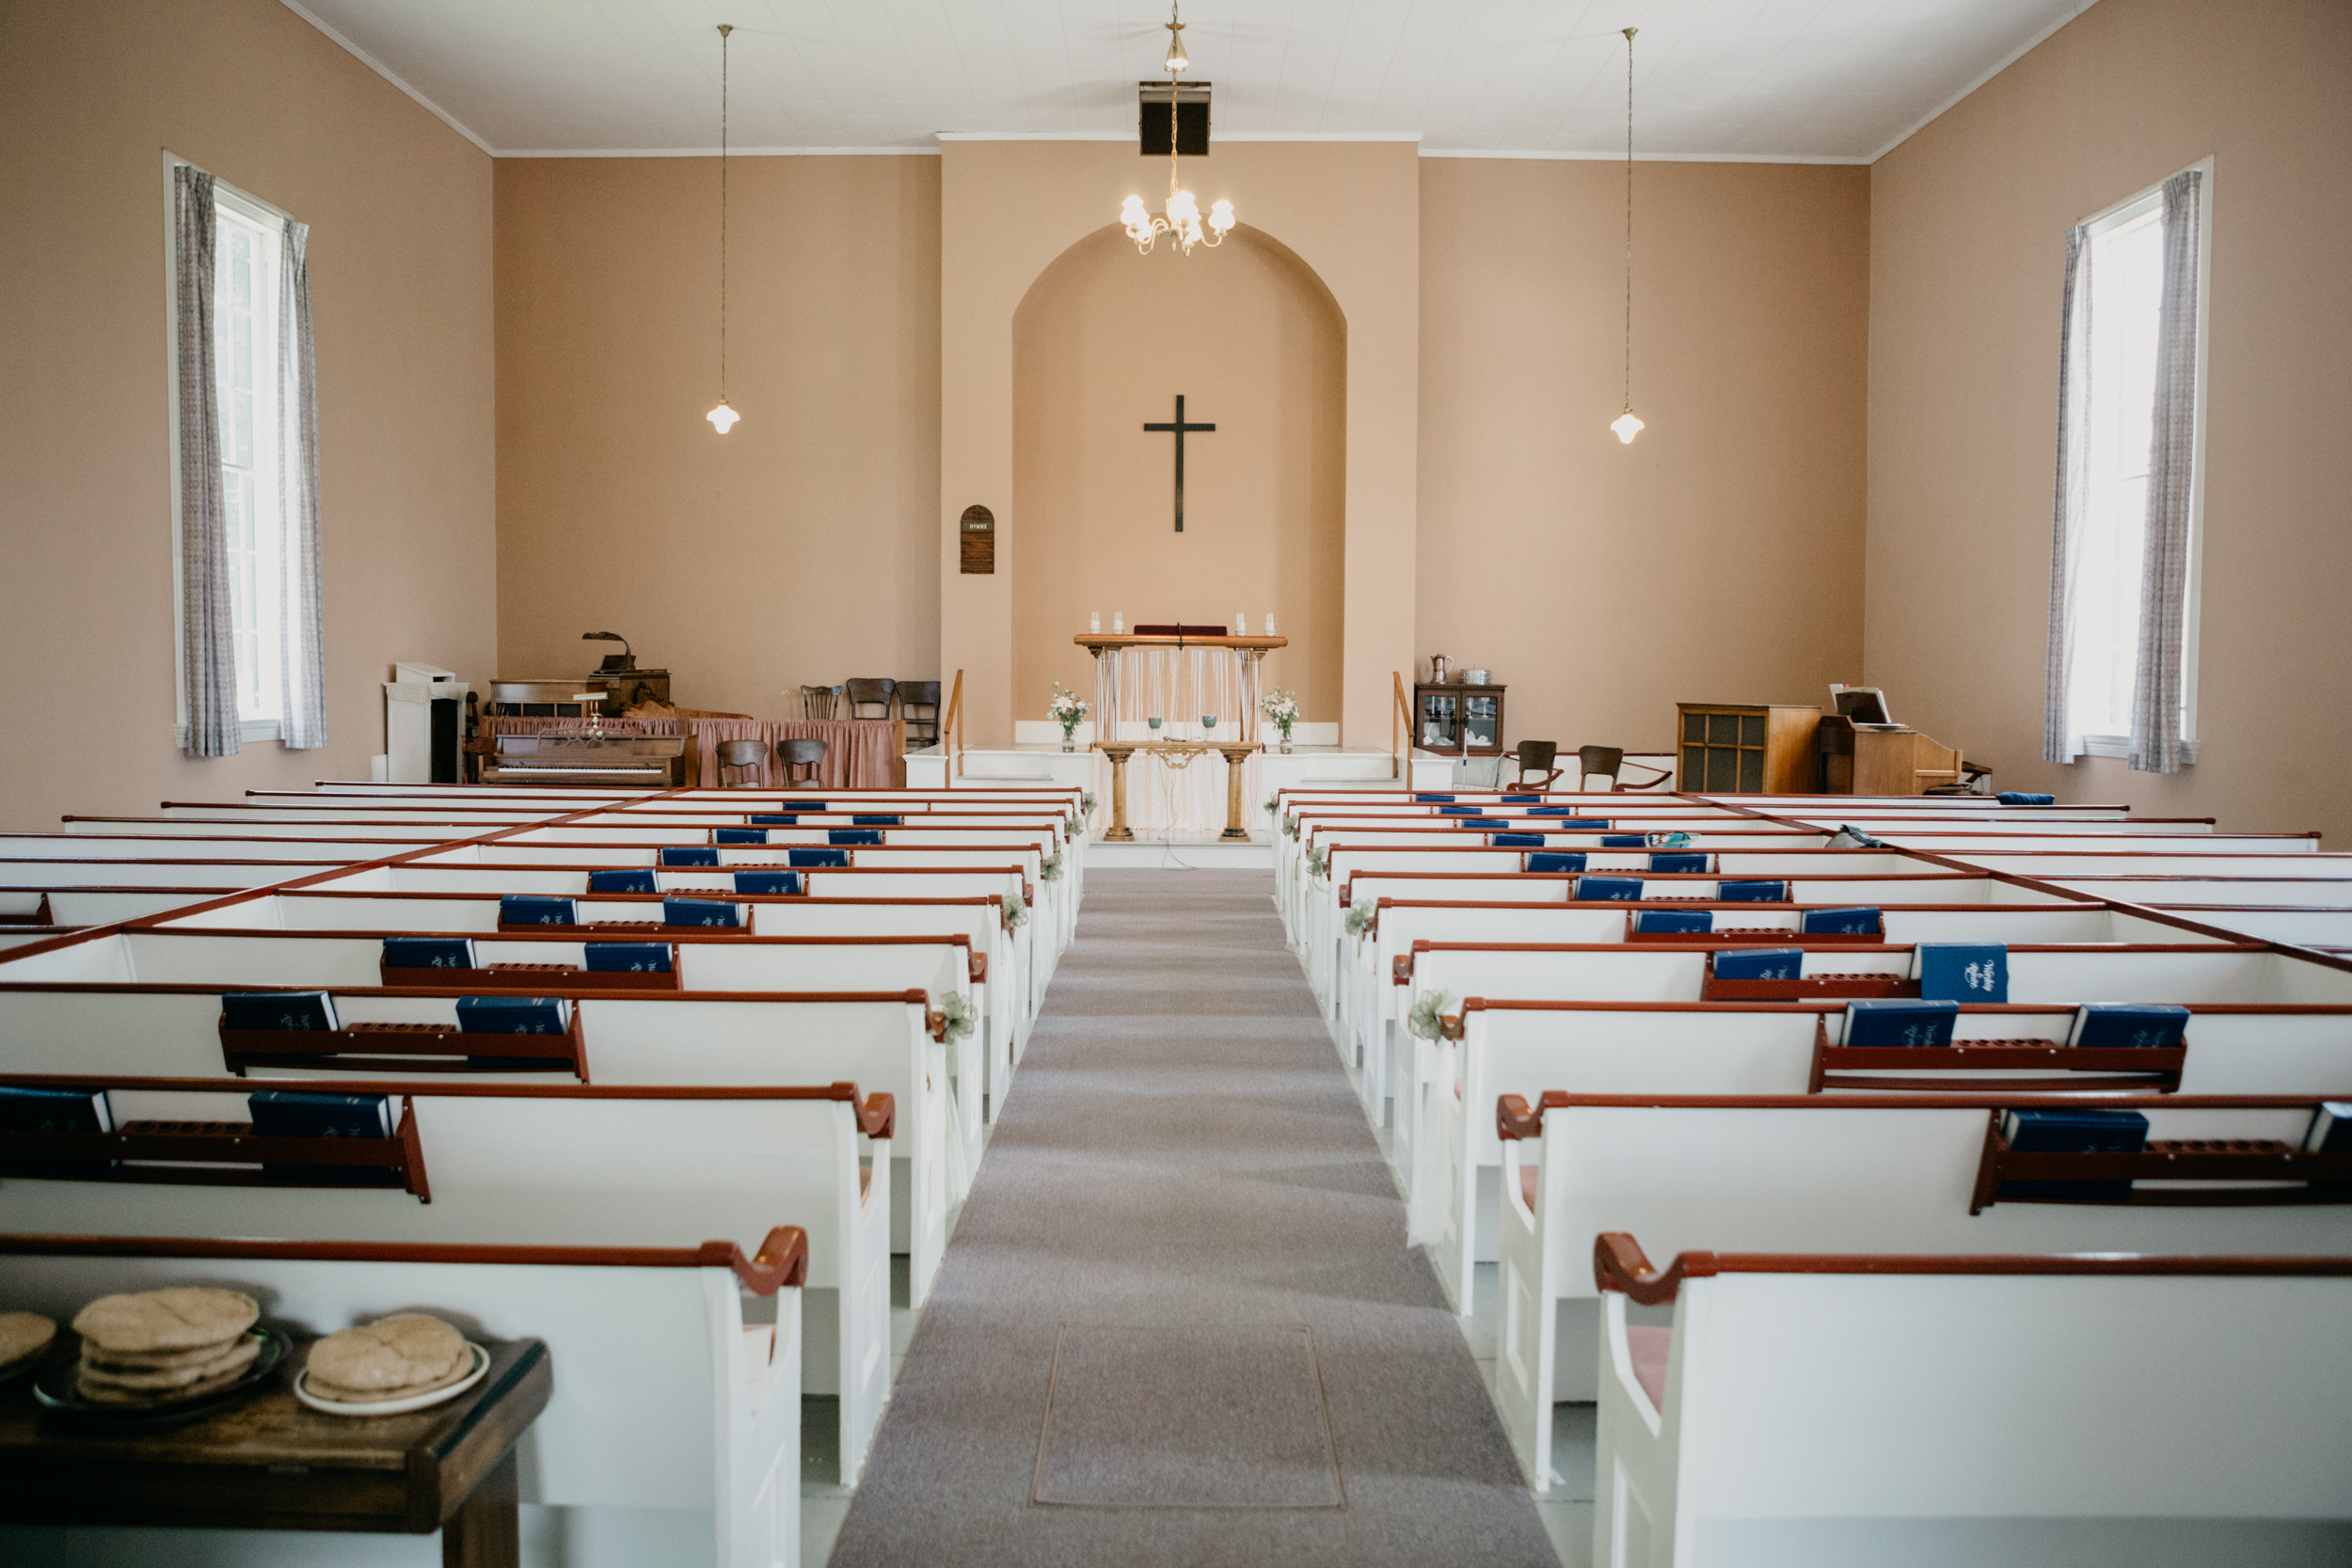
(979, 542)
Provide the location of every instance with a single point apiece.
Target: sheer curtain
(302, 636)
(2061, 737)
(207, 619)
(2155, 744)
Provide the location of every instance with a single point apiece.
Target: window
(245, 363)
(2130, 461)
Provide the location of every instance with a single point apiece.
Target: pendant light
(1625, 424)
(722, 418)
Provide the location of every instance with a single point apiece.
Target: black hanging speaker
(1192, 118)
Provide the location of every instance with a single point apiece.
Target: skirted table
(1176, 754)
(860, 753)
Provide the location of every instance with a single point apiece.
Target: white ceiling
(1817, 80)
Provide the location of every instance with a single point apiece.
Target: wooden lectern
(1881, 759)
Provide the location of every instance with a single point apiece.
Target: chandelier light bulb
(1221, 216)
(723, 417)
(1627, 427)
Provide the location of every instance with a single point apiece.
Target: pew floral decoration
(1272, 804)
(1427, 1019)
(1316, 861)
(958, 1012)
(1049, 869)
(1069, 711)
(1290, 824)
(1283, 707)
(1016, 911)
(1085, 804)
(1358, 919)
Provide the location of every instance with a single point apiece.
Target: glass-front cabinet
(1459, 720)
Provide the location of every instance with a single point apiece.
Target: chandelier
(1181, 223)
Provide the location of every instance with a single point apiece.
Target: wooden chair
(817, 700)
(923, 728)
(869, 691)
(1531, 757)
(746, 754)
(797, 754)
(1609, 761)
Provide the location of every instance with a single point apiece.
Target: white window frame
(2113, 216)
(247, 205)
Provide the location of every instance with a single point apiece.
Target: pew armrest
(781, 1262)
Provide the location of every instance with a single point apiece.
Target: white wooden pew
(2023, 1410)
(665, 1400)
(1825, 1173)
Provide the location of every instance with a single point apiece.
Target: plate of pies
(25, 1341)
(161, 1356)
(408, 1361)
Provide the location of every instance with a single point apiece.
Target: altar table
(1237, 753)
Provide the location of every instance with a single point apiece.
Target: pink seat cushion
(1527, 1185)
(1648, 1348)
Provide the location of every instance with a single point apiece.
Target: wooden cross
(1178, 429)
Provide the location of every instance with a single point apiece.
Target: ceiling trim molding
(1952, 103)
(382, 69)
(713, 152)
(1647, 157)
(1129, 135)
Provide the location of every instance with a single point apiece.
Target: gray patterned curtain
(301, 619)
(208, 625)
(2156, 746)
(2061, 741)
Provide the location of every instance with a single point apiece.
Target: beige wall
(1968, 229)
(1719, 557)
(1010, 208)
(91, 96)
(1103, 343)
(799, 548)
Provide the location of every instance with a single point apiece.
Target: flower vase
(1070, 739)
(1286, 743)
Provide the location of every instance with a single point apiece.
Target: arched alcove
(1103, 342)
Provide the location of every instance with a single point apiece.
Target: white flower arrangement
(1016, 911)
(1272, 804)
(1427, 1019)
(1049, 869)
(1281, 705)
(1316, 861)
(1068, 710)
(1358, 919)
(958, 1012)
(1086, 803)
(1290, 825)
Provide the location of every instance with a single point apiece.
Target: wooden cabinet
(1459, 720)
(1747, 748)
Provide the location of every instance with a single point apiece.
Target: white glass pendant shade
(722, 418)
(1627, 427)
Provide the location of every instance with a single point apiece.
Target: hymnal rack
(1842, 986)
(2266, 1161)
(533, 977)
(405, 1048)
(1840, 1068)
(219, 1154)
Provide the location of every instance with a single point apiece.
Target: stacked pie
(161, 1347)
(391, 1359)
(23, 1334)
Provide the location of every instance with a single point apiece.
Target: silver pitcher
(1440, 668)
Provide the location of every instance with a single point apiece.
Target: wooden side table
(272, 1463)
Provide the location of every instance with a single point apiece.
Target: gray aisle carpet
(1178, 1323)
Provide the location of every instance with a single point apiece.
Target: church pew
(223, 876)
(1859, 1407)
(2304, 927)
(2059, 865)
(79, 908)
(887, 1041)
(570, 1165)
(1830, 1173)
(1449, 1160)
(341, 848)
(666, 1399)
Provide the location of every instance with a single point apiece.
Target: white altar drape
(1180, 685)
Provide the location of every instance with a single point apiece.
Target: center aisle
(1185, 1241)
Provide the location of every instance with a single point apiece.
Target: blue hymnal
(2024, 798)
(623, 881)
(805, 805)
(2146, 1025)
(1608, 890)
(767, 881)
(429, 953)
(307, 1114)
(1624, 841)
(1861, 921)
(1877, 1023)
(1673, 920)
(1555, 862)
(1681, 863)
(531, 909)
(1457, 811)
(514, 1015)
(770, 820)
(1753, 893)
(2331, 1129)
(695, 856)
(1760, 963)
(1518, 841)
(878, 819)
(738, 835)
(817, 856)
(280, 1009)
(2072, 1132)
(1426, 800)
(1961, 971)
(1570, 821)
(629, 957)
(853, 835)
(30, 1110)
(1520, 799)
(1484, 822)
(699, 911)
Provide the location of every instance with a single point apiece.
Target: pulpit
(1883, 759)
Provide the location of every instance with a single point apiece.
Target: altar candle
(1119, 622)
(1094, 620)
(1241, 623)
(1270, 623)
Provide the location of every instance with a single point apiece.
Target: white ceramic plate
(401, 1406)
